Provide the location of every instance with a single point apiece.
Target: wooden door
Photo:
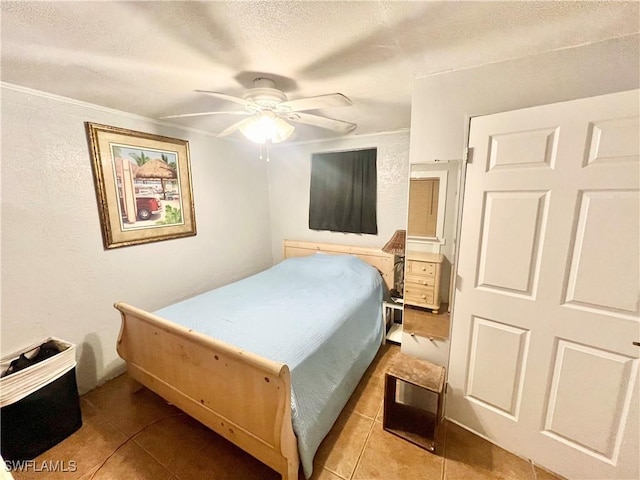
(546, 308)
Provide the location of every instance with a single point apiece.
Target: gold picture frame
(143, 186)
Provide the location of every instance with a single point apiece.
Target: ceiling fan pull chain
(267, 147)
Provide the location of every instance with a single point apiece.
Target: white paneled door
(546, 308)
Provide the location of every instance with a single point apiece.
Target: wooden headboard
(373, 256)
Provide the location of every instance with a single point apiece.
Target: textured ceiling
(149, 57)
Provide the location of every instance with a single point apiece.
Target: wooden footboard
(240, 395)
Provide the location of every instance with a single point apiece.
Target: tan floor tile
(542, 474)
(441, 437)
(341, 448)
(129, 410)
(192, 451)
(387, 456)
(132, 463)
(380, 415)
(425, 323)
(383, 358)
(178, 447)
(469, 456)
(367, 397)
(79, 453)
(320, 473)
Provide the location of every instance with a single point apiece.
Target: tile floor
(133, 435)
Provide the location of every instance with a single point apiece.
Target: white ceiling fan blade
(207, 113)
(230, 98)
(329, 100)
(234, 127)
(339, 126)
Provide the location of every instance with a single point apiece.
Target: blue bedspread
(320, 315)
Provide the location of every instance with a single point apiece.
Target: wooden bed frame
(245, 398)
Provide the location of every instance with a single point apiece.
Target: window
(343, 191)
(423, 207)
(427, 198)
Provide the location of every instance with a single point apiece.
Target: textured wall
(57, 279)
(289, 179)
(442, 104)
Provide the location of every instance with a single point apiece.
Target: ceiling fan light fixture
(269, 113)
(267, 126)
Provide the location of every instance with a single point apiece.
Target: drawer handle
(423, 296)
(424, 269)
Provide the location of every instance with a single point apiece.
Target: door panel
(546, 304)
(613, 140)
(532, 148)
(588, 404)
(607, 283)
(511, 234)
(495, 375)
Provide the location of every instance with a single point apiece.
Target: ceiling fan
(269, 112)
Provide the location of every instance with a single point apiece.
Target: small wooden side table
(417, 425)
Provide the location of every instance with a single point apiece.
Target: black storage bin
(41, 419)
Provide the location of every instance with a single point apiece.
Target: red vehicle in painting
(147, 205)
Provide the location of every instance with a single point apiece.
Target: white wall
(289, 180)
(442, 104)
(58, 280)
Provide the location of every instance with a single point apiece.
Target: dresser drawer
(416, 294)
(415, 267)
(420, 280)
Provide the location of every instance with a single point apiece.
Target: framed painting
(143, 186)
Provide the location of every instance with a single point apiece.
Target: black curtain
(343, 191)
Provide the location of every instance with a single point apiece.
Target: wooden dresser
(422, 279)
